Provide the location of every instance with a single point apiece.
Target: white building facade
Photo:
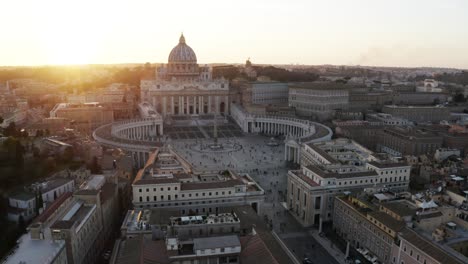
(182, 87)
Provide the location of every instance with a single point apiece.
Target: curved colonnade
(297, 131)
(137, 136)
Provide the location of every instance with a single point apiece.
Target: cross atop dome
(182, 38)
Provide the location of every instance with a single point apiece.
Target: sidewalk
(334, 252)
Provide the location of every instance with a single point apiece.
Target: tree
(1, 120)
(67, 154)
(36, 151)
(15, 151)
(459, 98)
(95, 167)
(21, 224)
(11, 130)
(40, 133)
(39, 202)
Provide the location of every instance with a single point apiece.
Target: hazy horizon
(365, 33)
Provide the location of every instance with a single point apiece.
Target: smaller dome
(182, 52)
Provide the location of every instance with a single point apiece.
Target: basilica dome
(182, 53)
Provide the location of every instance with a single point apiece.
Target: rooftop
(216, 242)
(401, 208)
(34, 251)
(23, 196)
(428, 247)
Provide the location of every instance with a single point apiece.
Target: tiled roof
(388, 221)
(52, 207)
(428, 247)
(254, 251)
(62, 224)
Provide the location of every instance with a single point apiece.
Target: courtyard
(265, 163)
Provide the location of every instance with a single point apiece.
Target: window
(154, 189)
(154, 198)
(147, 198)
(147, 189)
(168, 188)
(139, 190)
(162, 189)
(141, 199)
(162, 197)
(175, 196)
(175, 188)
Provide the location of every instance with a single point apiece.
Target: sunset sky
(365, 32)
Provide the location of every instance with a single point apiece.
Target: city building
(74, 228)
(335, 167)
(380, 228)
(365, 227)
(386, 120)
(167, 180)
(85, 117)
(182, 87)
(419, 98)
(429, 86)
(268, 93)
(232, 235)
(419, 114)
(319, 100)
(368, 100)
(22, 204)
(414, 249)
(25, 203)
(400, 141)
(54, 146)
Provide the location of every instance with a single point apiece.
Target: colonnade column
(172, 105)
(209, 104)
(226, 104)
(202, 105)
(182, 106)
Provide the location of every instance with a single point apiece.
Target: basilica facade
(182, 87)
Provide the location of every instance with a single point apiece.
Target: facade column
(217, 104)
(182, 106)
(172, 105)
(209, 104)
(202, 104)
(164, 106)
(226, 104)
